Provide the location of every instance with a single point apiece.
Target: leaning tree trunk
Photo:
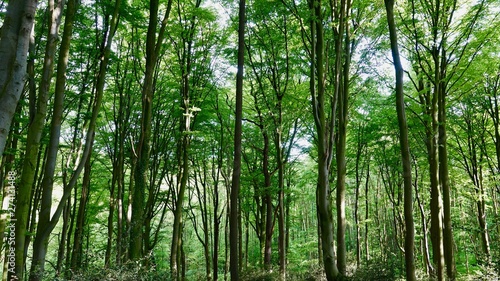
(47, 223)
(35, 130)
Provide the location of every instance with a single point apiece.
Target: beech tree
(14, 43)
(235, 183)
(38, 124)
(405, 149)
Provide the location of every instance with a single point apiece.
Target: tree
(36, 128)
(405, 149)
(441, 53)
(171, 190)
(47, 223)
(235, 183)
(324, 132)
(153, 47)
(14, 43)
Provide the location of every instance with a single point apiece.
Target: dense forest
(250, 140)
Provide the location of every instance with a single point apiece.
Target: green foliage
(379, 269)
(277, 63)
(128, 272)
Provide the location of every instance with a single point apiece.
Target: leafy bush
(315, 273)
(124, 273)
(378, 269)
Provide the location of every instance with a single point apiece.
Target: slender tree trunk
(68, 254)
(215, 203)
(235, 184)
(35, 130)
(472, 157)
(47, 222)
(436, 212)
(269, 229)
(153, 45)
(483, 225)
(281, 204)
(206, 222)
(227, 238)
(367, 185)
(76, 256)
(63, 237)
(343, 98)
(112, 205)
(143, 147)
(448, 243)
(425, 252)
(317, 89)
(176, 235)
(186, 124)
(34, 203)
(240, 236)
(357, 191)
(404, 145)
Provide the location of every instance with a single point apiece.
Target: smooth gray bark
(14, 44)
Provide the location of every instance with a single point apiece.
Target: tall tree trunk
(185, 61)
(235, 183)
(177, 227)
(448, 243)
(268, 201)
(436, 204)
(473, 159)
(14, 44)
(317, 89)
(367, 186)
(281, 202)
(153, 45)
(359, 150)
(76, 256)
(429, 102)
(47, 222)
(404, 145)
(35, 130)
(217, 170)
(68, 254)
(343, 99)
(425, 244)
(63, 237)
(112, 203)
(143, 147)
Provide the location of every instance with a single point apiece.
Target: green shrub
(123, 273)
(378, 269)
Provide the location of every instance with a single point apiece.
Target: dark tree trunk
(63, 237)
(235, 184)
(324, 139)
(76, 256)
